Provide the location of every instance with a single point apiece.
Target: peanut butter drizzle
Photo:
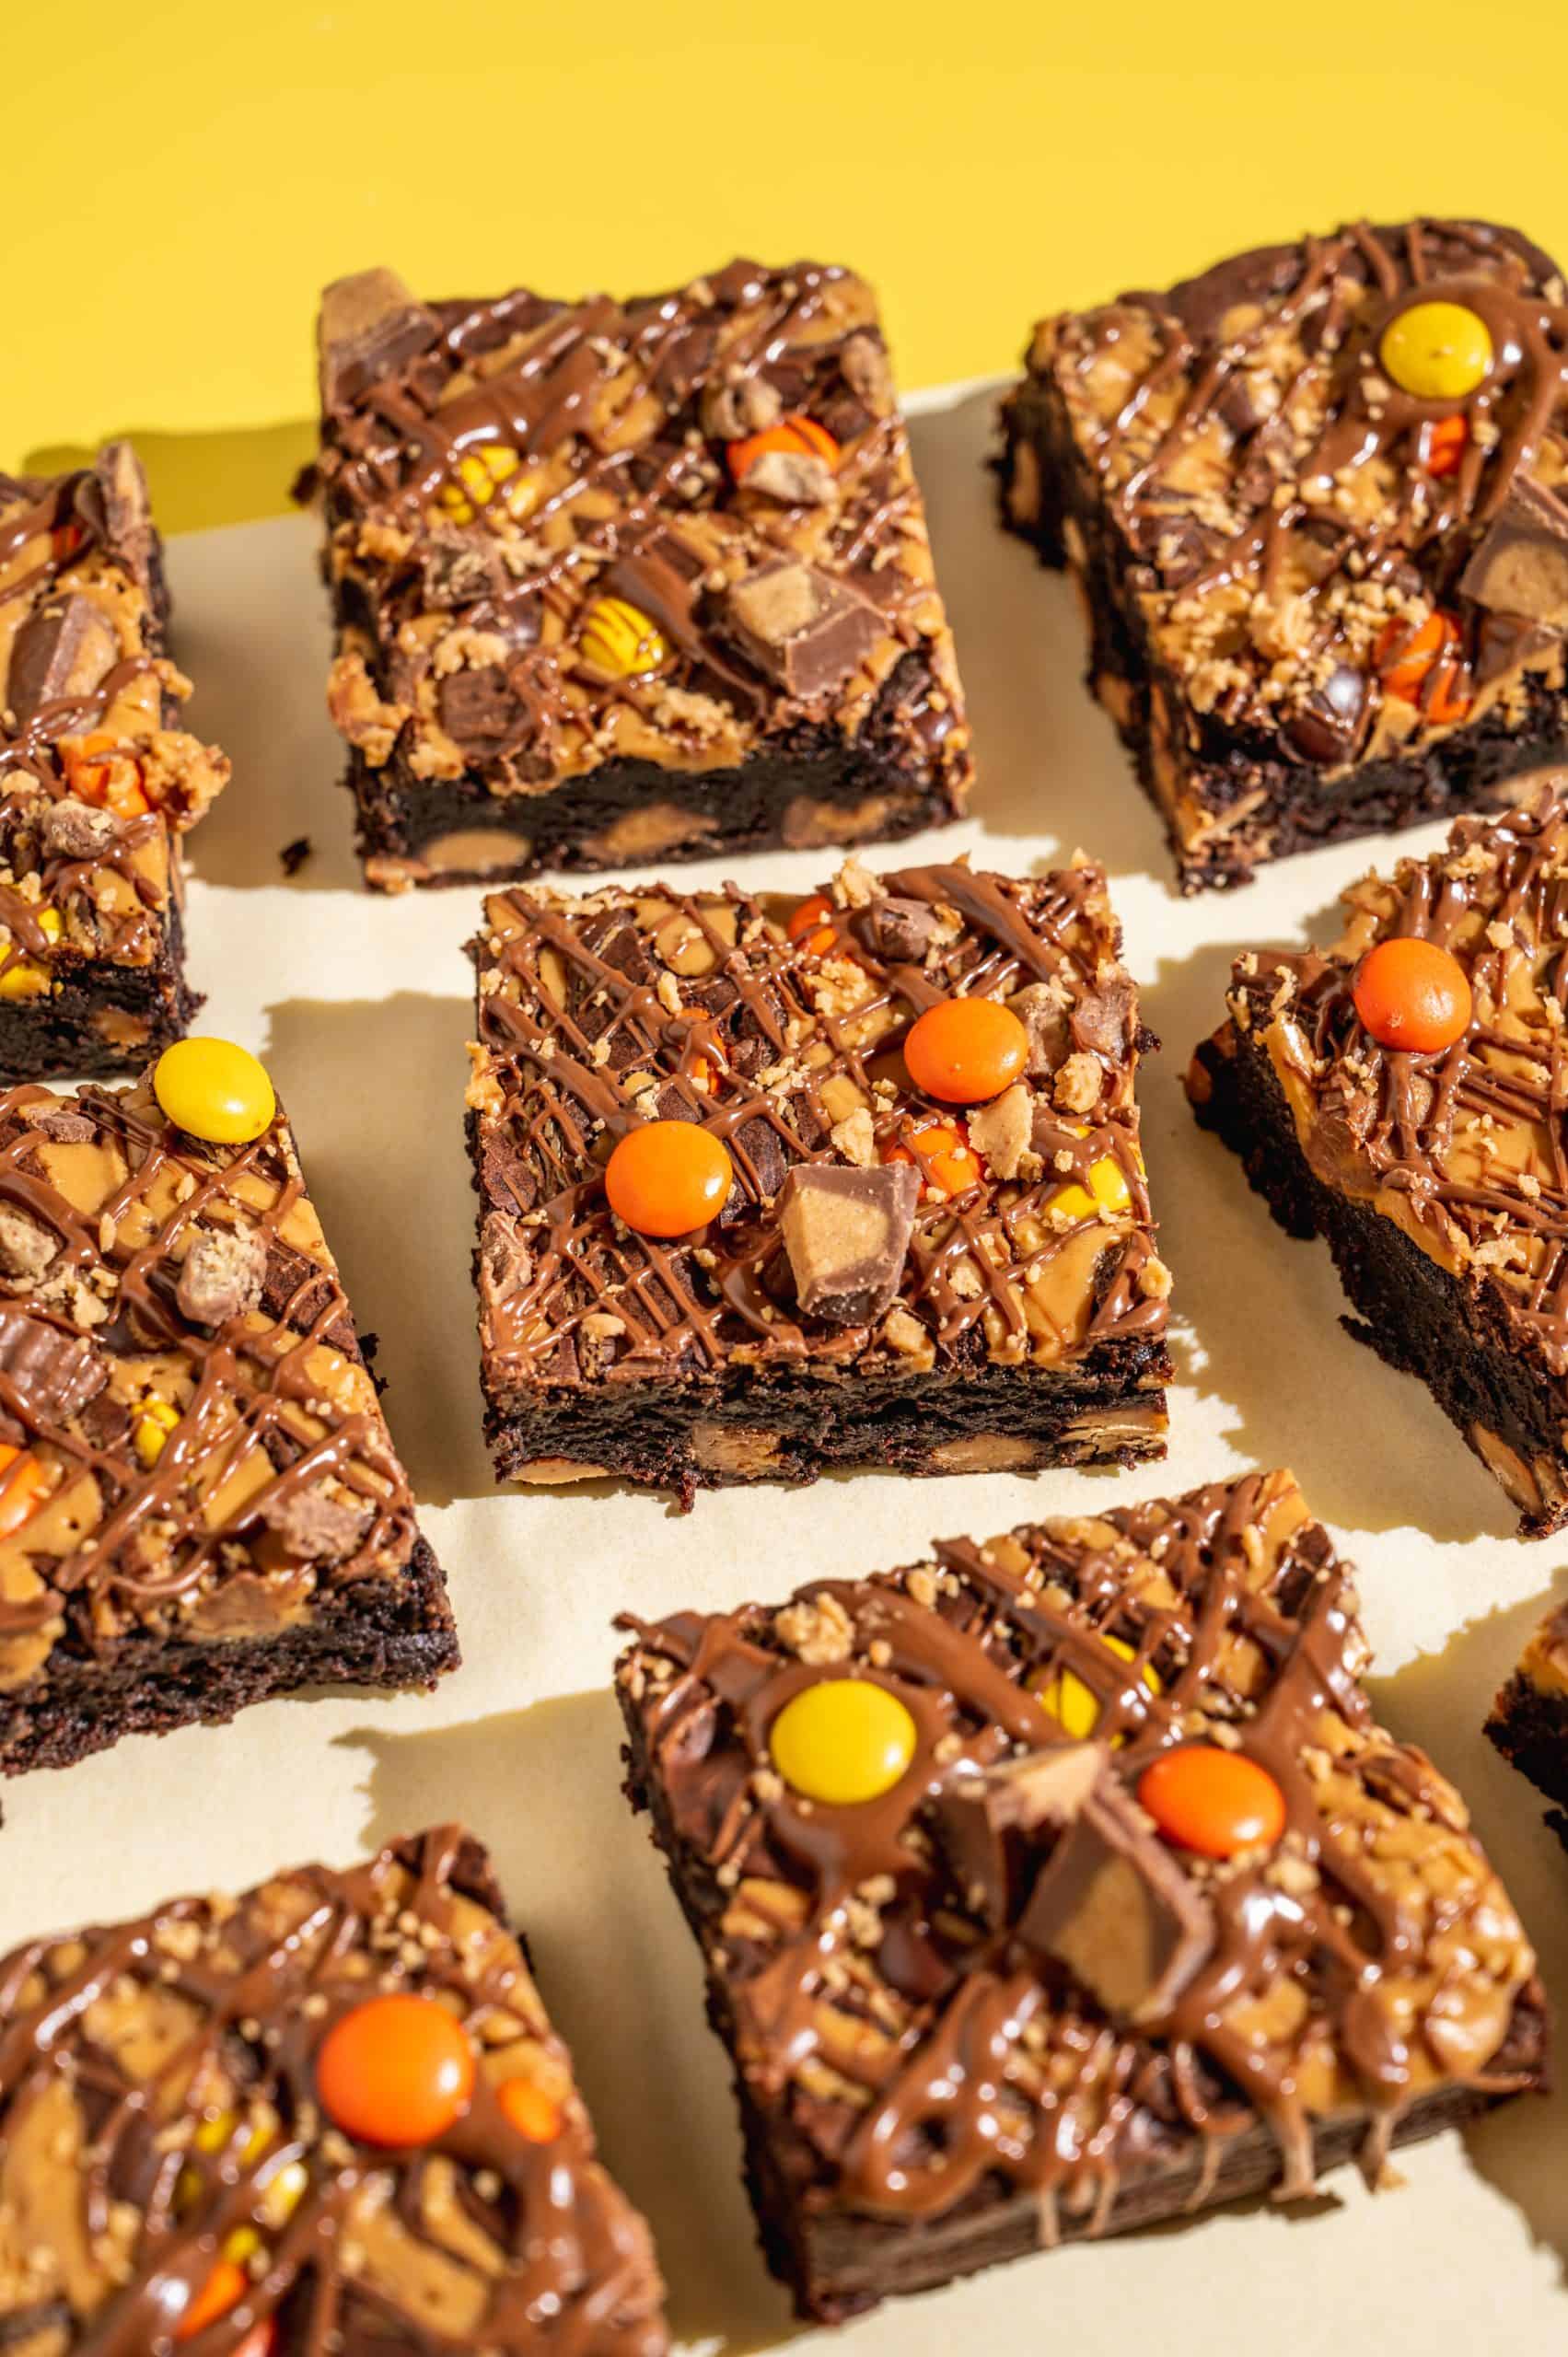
(927, 2055)
(690, 1306)
(1417, 533)
(567, 2264)
(284, 1390)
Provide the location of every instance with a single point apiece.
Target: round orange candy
(942, 1155)
(1212, 1800)
(966, 1051)
(667, 1178)
(398, 2071)
(22, 1485)
(1407, 660)
(800, 435)
(805, 925)
(537, 2117)
(1413, 994)
(224, 2288)
(1443, 445)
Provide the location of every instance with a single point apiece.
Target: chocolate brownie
(96, 782)
(1530, 1718)
(1312, 500)
(329, 2115)
(200, 1502)
(1436, 1174)
(885, 1263)
(1065, 1884)
(625, 581)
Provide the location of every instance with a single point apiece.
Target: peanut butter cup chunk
(1143, 1913)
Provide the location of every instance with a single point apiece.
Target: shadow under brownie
(1310, 500)
(200, 1502)
(96, 782)
(882, 1276)
(1434, 1174)
(1064, 1883)
(330, 2114)
(618, 582)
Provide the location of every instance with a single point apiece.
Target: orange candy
(966, 1051)
(22, 1484)
(667, 1178)
(398, 2071)
(535, 2115)
(942, 1155)
(800, 435)
(1405, 659)
(104, 770)
(224, 2288)
(1443, 445)
(808, 915)
(1412, 993)
(1212, 1800)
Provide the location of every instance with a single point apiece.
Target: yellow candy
(480, 475)
(1107, 1190)
(619, 639)
(1067, 1698)
(843, 1740)
(243, 2243)
(1438, 352)
(23, 979)
(155, 1420)
(214, 1090)
(283, 2193)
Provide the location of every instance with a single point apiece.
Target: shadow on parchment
(618, 1972)
(1517, 2148)
(224, 475)
(374, 1090)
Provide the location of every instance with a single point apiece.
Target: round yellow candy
(843, 1740)
(214, 1090)
(1438, 352)
(1067, 1698)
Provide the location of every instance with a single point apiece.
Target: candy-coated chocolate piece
(1107, 1190)
(1075, 1705)
(397, 2071)
(530, 2110)
(224, 2288)
(1408, 659)
(1443, 445)
(150, 1426)
(966, 1051)
(843, 1740)
(942, 1154)
(668, 1177)
(214, 1090)
(806, 927)
(105, 771)
(798, 436)
(1212, 1800)
(25, 979)
(1436, 351)
(1413, 994)
(23, 1482)
(621, 641)
(479, 474)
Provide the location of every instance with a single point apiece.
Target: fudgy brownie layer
(1417, 1316)
(814, 787)
(836, 2265)
(744, 1427)
(1279, 808)
(1531, 1729)
(377, 1633)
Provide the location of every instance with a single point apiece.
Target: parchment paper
(360, 1007)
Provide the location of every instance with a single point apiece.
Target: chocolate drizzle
(126, 2046)
(905, 2049)
(597, 1014)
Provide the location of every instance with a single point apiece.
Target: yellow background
(185, 175)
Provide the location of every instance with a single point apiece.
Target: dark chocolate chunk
(800, 627)
(991, 1822)
(478, 708)
(370, 325)
(846, 1232)
(61, 650)
(456, 571)
(1327, 728)
(294, 855)
(1521, 565)
(899, 928)
(57, 1374)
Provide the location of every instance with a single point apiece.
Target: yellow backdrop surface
(185, 176)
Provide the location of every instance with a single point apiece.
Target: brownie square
(192, 2147)
(1436, 1178)
(979, 1995)
(615, 582)
(1530, 1718)
(890, 1280)
(1316, 528)
(200, 1502)
(96, 782)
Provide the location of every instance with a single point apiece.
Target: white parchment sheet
(360, 1007)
